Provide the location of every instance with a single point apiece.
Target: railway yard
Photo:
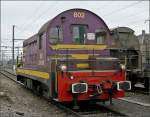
(85, 59)
(17, 101)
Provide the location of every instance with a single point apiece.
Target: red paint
(64, 84)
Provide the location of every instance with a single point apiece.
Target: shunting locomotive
(68, 60)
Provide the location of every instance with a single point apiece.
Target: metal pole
(0, 49)
(149, 36)
(13, 38)
(149, 48)
(149, 17)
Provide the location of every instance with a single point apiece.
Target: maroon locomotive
(69, 60)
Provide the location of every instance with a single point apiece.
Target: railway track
(9, 75)
(95, 110)
(135, 102)
(137, 97)
(140, 90)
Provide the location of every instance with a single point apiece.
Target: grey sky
(29, 16)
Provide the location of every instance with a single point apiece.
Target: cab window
(41, 40)
(55, 35)
(79, 33)
(100, 37)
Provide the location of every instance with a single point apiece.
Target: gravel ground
(129, 109)
(16, 101)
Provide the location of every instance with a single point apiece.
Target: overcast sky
(29, 16)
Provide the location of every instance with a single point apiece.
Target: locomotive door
(53, 79)
(78, 33)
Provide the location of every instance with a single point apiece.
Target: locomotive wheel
(133, 82)
(24, 81)
(133, 78)
(39, 90)
(146, 83)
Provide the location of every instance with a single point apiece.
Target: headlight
(63, 67)
(123, 67)
(71, 77)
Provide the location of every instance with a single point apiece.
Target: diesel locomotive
(68, 60)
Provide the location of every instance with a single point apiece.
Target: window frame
(41, 40)
(59, 34)
(103, 36)
(85, 26)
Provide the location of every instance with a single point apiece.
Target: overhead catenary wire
(45, 12)
(35, 19)
(33, 14)
(135, 24)
(104, 6)
(39, 16)
(132, 15)
(22, 30)
(121, 9)
(135, 21)
(28, 22)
